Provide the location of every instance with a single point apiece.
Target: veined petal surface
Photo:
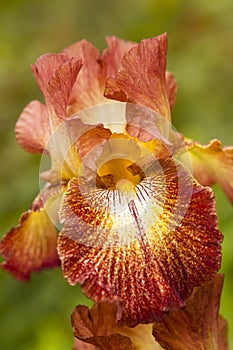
(171, 88)
(197, 325)
(149, 247)
(113, 54)
(32, 245)
(96, 327)
(212, 163)
(56, 75)
(33, 127)
(89, 87)
(141, 78)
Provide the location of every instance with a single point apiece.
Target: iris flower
(135, 224)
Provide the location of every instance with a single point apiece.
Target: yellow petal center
(119, 173)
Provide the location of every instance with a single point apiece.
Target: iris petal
(33, 127)
(113, 54)
(89, 87)
(198, 325)
(99, 326)
(32, 245)
(141, 78)
(96, 327)
(151, 253)
(56, 75)
(212, 163)
(171, 88)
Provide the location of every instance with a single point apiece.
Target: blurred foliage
(35, 315)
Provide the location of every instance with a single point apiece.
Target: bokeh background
(35, 315)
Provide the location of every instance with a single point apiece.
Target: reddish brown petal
(212, 163)
(197, 325)
(171, 88)
(96, 327)
(89, 86)
(32, 128)
(156, 268)
(142, 76)
(112, 56)
(222, 334)
(56, 75)
(44, 69)
(32, 245)
(61, 84)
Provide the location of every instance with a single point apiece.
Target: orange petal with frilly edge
(33, 128)
(45, 67)
(212, 163)
(158, 254)
(32, 245)
(61, 84)
(96, 327)
(56, 75)
(141, 78)
(196, 326)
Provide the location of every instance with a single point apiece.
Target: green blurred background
(35, 315)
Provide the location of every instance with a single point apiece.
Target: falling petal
(149, 247)
(32, 245)
(197, 325)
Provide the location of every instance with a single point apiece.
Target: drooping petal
(33, 128)
(32, 245)
(89, 87)
(212, 163)
(171, 88)
(149, 249)
(142, 77)
(96, 327)
(56, 75)
(113, 54)
(197, 326)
